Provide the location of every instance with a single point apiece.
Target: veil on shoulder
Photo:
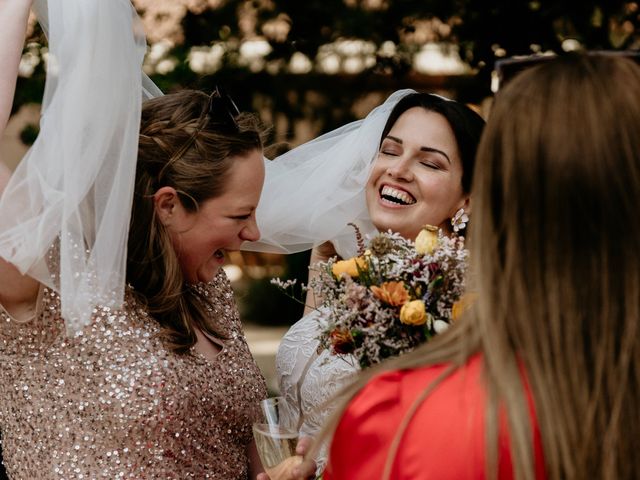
(312, 192)
(65, 212)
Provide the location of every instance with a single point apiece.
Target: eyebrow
(422, 149)
(244, 208)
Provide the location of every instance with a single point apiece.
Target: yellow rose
(391, 293)
(350, 267)
(413, 313)
(427, 240)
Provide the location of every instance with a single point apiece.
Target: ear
(465, 203)
(166, 203)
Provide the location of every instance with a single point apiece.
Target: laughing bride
(409, 163)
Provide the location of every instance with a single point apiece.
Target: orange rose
(342, 341)
(462, 305)
(391, 293)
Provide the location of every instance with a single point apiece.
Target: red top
(444, 440)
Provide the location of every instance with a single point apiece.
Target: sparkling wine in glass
(276, 437)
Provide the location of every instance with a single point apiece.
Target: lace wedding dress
(309, 380)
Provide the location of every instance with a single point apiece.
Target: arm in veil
(5, 173)
(74, 187)
(13, 23)
(17, 292)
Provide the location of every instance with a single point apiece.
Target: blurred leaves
(484, 30)
(262, 303)
(291, 51)
(479, 27)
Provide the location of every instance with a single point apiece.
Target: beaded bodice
(114, 402)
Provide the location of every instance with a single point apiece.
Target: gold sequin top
(114, 402)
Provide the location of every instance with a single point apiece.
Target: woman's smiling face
(417, 177)
(223, 223)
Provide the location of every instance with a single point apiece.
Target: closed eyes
(389, 153)
(429, 164)
(433, 166)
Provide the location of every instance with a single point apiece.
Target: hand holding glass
(276, 438)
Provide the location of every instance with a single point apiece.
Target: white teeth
(403, 197)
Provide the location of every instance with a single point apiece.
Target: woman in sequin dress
(163, 387)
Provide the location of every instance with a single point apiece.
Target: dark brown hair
(186, 146)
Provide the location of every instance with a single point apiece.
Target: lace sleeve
(309, 380)
(296, 352)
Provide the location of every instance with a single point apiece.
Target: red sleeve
(445, 438)
(364, 430)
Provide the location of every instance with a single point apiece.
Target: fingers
(307, 469)
(304, 470)
(304, 445)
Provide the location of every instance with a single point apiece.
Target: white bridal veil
(75, 185)
(312, 192)
(74, 188)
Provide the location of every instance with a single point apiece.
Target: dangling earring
(459, 220)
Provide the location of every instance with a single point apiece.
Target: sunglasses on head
(505, 70)
(221, 111)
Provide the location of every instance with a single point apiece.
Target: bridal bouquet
(392, 297)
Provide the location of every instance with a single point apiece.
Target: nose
(401, 169)
(251, 232)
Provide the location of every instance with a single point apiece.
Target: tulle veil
(314, 191)
(64, 216)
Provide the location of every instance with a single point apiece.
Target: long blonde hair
(555, 248)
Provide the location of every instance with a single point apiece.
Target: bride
(409, 163)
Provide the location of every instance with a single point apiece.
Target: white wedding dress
(309, 380)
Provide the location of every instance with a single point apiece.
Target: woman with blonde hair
(541, 379)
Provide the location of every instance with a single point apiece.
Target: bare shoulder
(323, 252)
(18, 293)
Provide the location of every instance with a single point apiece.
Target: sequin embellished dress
(114, 402)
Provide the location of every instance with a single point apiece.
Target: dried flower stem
(359, 239)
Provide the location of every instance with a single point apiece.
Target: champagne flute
(277, 436)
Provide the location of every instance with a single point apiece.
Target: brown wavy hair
(182, 145)
(556, 258)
